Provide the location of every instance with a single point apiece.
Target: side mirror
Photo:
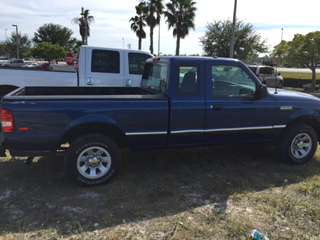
(279, 74)
(261, 92)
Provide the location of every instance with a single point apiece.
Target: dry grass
(210, 193)
(300, 74)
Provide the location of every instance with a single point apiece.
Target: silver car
(268, 75)
(15, 63)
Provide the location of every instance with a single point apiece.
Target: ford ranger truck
(182, 102)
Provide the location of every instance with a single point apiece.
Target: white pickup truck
(97, 67)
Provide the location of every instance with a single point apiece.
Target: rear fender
(93, 124)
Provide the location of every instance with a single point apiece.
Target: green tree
(153, 12)
(138, 23)
(48, 51)
(76, 47)
(281, 50)
(304, 51)
(11, 45)
(3, 50)
(180, 16)
(84, 22)
(248, 43)
(55, 34)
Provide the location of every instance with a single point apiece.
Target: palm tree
(180, 16)
(84, 22)
(154, 9)
(138, 23)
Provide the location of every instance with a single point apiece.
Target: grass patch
(298, 73)
(310, 187)
(210, 193)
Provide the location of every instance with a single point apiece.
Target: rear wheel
(93, 159)
(299, 144)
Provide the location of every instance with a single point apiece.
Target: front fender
(307, 114)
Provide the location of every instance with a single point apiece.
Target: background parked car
(3, 61)
(268, 75)
(14, 63)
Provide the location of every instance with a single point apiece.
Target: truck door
(134, 62)
(233, 112)
(187, 117)
(104, 68)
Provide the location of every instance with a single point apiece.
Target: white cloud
(112, 16)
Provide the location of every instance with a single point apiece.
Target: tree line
(301, 51)
(179, 15)
(50, 41)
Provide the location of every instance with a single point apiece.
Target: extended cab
(183, 101)
(97, 67)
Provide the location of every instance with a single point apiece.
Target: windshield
(155, 77)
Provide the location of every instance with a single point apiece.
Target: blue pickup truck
(183, 101)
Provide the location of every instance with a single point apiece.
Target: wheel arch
(106, 129)
(312, 121)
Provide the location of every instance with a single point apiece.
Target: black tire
(79, 147)
(287, 145)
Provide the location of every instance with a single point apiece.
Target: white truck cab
(111, 67)
(96, 67)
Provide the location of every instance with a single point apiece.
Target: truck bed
(80, 93)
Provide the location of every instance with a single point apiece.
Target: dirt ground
(207, 193)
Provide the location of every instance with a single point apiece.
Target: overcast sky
(111, 27)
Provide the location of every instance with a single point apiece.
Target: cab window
(137, 62)
(155, 77)
(188, 82)
(231, 81)
(105, 61)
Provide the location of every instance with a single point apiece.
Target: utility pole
(159, 39)
(6, 33)
(233, 40)
(17, 40)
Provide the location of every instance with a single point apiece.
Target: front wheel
(93, 159)
(299, 144)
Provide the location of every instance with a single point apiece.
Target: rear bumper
(23, 145)
(35, 153)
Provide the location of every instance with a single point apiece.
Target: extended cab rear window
(105, 61)
(155, 77)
